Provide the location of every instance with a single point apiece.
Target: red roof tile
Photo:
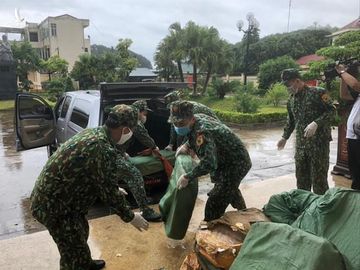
(309, 58)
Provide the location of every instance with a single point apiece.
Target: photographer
(349, 90)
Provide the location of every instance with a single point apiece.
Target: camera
(351, 64)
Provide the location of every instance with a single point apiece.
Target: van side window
(79, 118)
(65, 107)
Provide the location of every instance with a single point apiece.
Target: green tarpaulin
(149, 164)
(176, 206)
(334, 216)
(274, 246)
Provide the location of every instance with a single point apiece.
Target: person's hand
(310, 130)
(139, 222)
(182, 150)
(340, 68)
(126, 156)
(182, 182)
(123, 191)
(169, 147)
(281, 144)
(156, 152)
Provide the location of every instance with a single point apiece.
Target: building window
(45, 53)
(53, 30)
(33, 36)
(86, 50)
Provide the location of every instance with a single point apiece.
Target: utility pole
(288, 23)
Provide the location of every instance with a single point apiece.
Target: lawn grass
(6, 105)
(228, 104)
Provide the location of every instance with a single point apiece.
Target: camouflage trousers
(70, 234)
(312, 167)
(132, 177)
(226, 190)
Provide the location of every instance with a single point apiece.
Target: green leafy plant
(247, 103)
(276, 94)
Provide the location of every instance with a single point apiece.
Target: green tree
(270, 71)
(27, 60)
(126, 63)
(246, 102)
(90, 70)
(85, 70)
(194, 44)
(276, 94)
(55, 65)
(251, 57)
(176, 46)
(100, 50)
(164, 61)
(346, 46)
(294, 44)
(222, 87)
(218, 56)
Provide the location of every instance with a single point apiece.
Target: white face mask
(125, 137)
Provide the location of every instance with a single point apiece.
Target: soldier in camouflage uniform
(310, 111)
(130, 174)
(175, 139)
(83, 169)
(221, 153)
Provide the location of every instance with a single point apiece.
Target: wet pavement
(19, 171)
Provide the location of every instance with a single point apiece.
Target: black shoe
(150, 215)
(97, 264)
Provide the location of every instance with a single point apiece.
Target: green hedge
(250, 118)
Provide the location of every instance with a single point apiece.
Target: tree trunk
(180, 71)
(194, 78)
(206, 80)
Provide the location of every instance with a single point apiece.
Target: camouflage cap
(172, 96)
(124, 115)
(141, 105)
(289, 74)
(180, 110)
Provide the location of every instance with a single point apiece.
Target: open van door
(34, 122)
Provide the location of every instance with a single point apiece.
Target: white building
(61, 35)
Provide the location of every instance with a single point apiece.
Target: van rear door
(34, 122)
(114, 93)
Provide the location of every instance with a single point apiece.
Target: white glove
(182, 150)
(126, 156)
(281, 144)
(169, 147)
(310, 130)
(123, 191)
(139, 222)
(182, 182)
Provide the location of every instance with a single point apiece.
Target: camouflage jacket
(216, 146)
(311, 104)
(142, 135)
(198, 108)
(83, 169)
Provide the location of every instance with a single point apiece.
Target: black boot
(97, 264)
(150, 215)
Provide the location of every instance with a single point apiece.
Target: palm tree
(194, 37)
(163, 59)
(176, 44)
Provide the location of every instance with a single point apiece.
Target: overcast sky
(146, 22)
